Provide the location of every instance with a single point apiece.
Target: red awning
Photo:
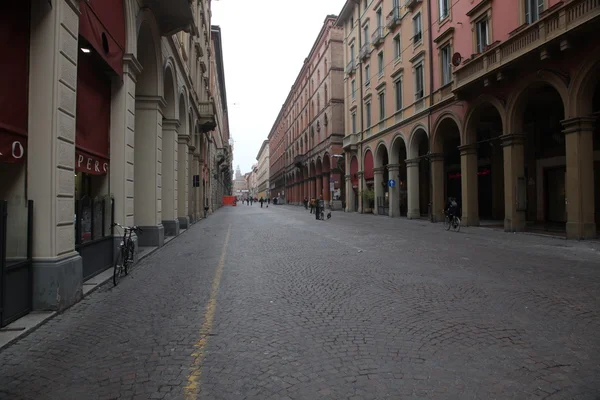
(14, 74)
(369, 173)
(93, 117)
(102, 24)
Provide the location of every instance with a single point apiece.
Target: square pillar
(394, 171)
(319, 185)
(581, 222)
(191, 190)
(183, 173)
(349, 194)
(439, 187)
(57, 266)
(148, 170)
(470, 194)
(325, 185)
(412, 183)
(377, 183)
(361, 188)
(170, 176)
(514, 168)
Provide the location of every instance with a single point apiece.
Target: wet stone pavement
(268, 303)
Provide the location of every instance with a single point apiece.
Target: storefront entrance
(16, 287)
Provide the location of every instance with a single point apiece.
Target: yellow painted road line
(193, 383)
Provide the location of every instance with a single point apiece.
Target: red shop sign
(90, 164)
(458, 175)
(12, 148)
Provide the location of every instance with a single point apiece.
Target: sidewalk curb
(52, 314)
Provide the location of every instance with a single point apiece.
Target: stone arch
(468, 128)
(583, 86)
(170, 80)
(398, 141)
(183, 98)
(381, 154)
(319, 166)
(150, 80)
(182, 115)
(515, 106)
(326, 162)
(366, 149)
(416, 134)
(437, 140)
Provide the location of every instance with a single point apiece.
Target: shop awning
(92, 143)
(368, 167)
(102, 24)
(172, 15)
(14, 47)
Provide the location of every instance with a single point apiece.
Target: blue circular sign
(391, 183)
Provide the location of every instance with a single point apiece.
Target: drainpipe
(430, 24)
(360, 98)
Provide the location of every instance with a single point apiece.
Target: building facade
(308, 132)
(511, 128)
(262, 177)
(105, 117)
(387, 86)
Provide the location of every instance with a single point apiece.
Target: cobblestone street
(271, 304)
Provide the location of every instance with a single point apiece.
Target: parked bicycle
(453, 222)
(125, 252)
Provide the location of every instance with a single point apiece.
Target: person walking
(261, 201)
(318, 206)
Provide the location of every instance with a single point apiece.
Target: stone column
(379, 192)
(169, 177)
(325, 185)
(514, 168)
(349, 194)
(192, 200)
(319, 186)
(183, 179)
(470, 194)
(581, 223)
(148, 170)
(122, 128)
(199, 190)
(361, 186)
(57, 266)
(394, 170)
(412, 187)
(438, 185)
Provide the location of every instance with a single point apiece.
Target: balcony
(172, 16)
(299, 160)
(394, 18)
(350, 142)
(552, 26)
(365, 51)
(377, 36)
(350, 67)
(411, 4)
(207, 118)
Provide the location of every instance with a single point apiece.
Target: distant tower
(238, 173)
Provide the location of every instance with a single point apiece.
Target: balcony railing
(393, 18)
(206, 109)
(410, 4)
(377, 36)
(551, 26)
(365, 51)
(350, 141)
(350, 67)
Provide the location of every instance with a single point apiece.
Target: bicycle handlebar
(130, 228)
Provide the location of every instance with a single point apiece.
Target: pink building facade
(512, 125)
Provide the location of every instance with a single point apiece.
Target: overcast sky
(265, 43)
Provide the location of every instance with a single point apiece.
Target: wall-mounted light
(85, 50)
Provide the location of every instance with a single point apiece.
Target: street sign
(331, 186)
(391, 183)
(331, 179)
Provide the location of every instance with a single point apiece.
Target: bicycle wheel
(118, 266)
(128, 261)
(447, 223)
(456, 224)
